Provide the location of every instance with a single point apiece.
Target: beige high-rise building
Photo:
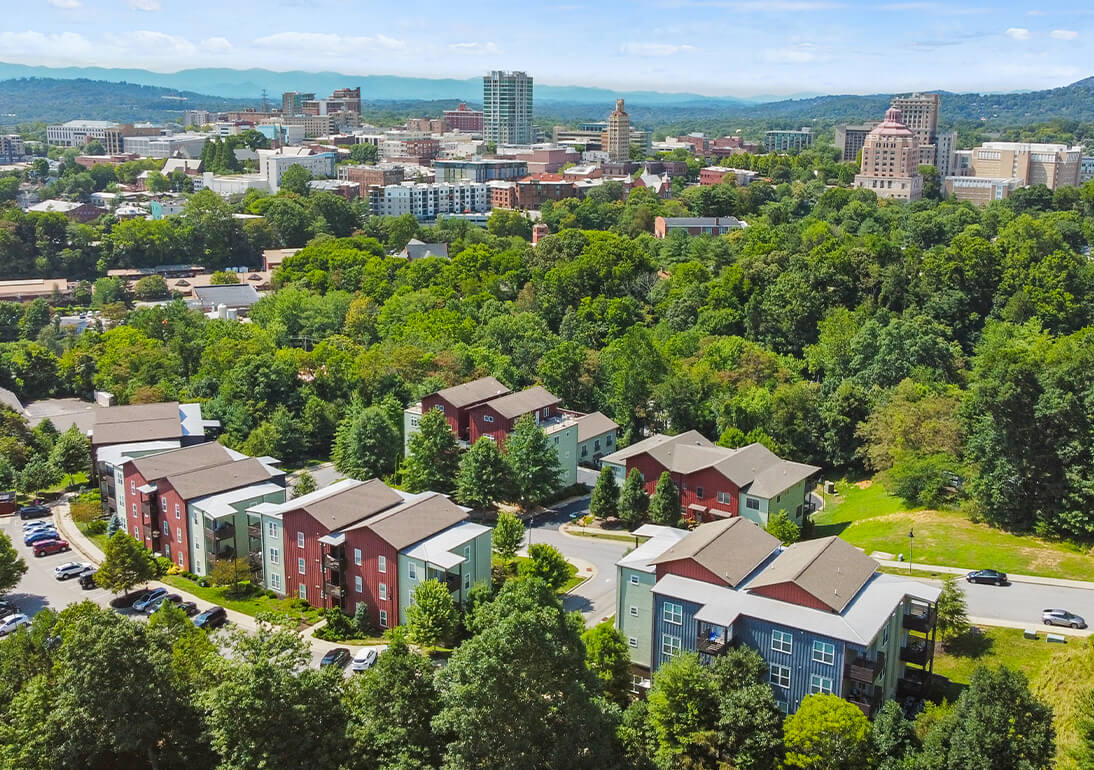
(920, 113)
(1053, 165)
(619, 134)
(890, 160)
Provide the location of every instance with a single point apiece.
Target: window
(166, 529)
(673, 613)
(824, 652)
(300, 566)
(670, 645)
(753, 503)
(821, 684)
(782, 706)
(632, 641)
(299, 539)
(556, 440)
(466, 581)
(167, 550)
(609, 439)
(358, 584)
(275, 581)
(546, 411)
(699, 492)
(275, 556)
(357, 556)
(133, 486)
(383, 592)
(596, 444)
(381, 565)
(782, 641)
(488, 418)
(585, 451)
(271, 529)
(178, 534)
(383, 618)
(779, 675)
(178, 514)
(634, 611)
(163, 504)
(634, 580)
(411, 572)
(180, 558)
(414, 422)
(134, 509)
(724, 498)
(885, 636)
(302, 591)
(439, 408)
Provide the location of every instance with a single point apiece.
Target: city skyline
(715, 47)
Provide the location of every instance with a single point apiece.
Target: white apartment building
(428, 201)
(77, 133)
(1086, 169)
(272, 164)
(186, 145)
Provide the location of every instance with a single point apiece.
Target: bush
(300, 604)
(360, 616)
(97, 527)
(922, 479)
(163, 564)
(339, 627)
(781, 526)
(204, 582)
(271, 594)
(189, 575)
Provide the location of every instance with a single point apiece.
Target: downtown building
(507, 108)
(619, 134)
(890, 160)
(429, 201)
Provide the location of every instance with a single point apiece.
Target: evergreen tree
(665, 503)
(953, 619)
(126, 563)
(533, 462)
(633, 502)
(305, 485)
(484, 476)
(604, 503)
(434, 458)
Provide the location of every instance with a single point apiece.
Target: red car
(45, 547)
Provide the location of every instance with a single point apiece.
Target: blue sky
(718, 47)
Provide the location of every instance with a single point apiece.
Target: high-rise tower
(619, 134)
(507, 107)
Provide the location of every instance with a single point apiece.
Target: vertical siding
(640, 627)
(181, 524)
(687, 632)
(690, 569)
(276, 540)
(757, 634)
(456, 418)
(479, 427)
(712, 482)
(372, 548)
(312, 552)
(788, 592)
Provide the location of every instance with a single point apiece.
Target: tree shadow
(973, 644)
(827, 530)
(573, 603)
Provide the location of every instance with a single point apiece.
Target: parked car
(189, 608)
(339, 657)
(141, 604)
(214, 617)
(32, 526)
(7, 608)
(12, 622)
(33, 512)
(122, 602)
(46, 533)
(987, 576)
(364, 659)
(87, 579)
(69, 569)
(156, 603)
(46, 547)
(1062, 618)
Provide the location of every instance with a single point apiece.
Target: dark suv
(33, 512)
(214, 617)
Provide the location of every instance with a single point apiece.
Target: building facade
(619, 133)
(788, 140)
(480, 170)
(464, 119)
(507, 107)
(1053, 165)
(428, 201)
(979, 190)
(662, 226)
(850, 139)
(890, 160)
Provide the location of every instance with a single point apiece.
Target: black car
(189, 608)
(992, 576)
(7, 608)
(33, 512)
(214, 617)
(338, 657)
(87, 579)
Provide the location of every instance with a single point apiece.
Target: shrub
(339, 626)
(300, 604)
(96, 527)
(360, 616)
(203, 582)
(163, 564)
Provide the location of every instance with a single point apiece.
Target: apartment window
(180, 558)
(358, 584)
(166, 529)
(782, 706)
(275, 556)
(271, 529)
(596, 444)
(381, 565)
(724, 498)
(753, 503)
(585, 451)
(466, 581)
(357, 556)
(299, 539)
(439, 408)
(782, 641)
(779, 675)
(133, 487)
(632, 641)
(275, 581)
(383, 592)
(546, 411)
(163, 504)
(634, 580)
(167, 550)
(488, 418)
(178, 534)
(411, 571)
(670, 645)
(178, 513)
(885, 636)
(134, 509)
(300, 568)
(824, 652)
(699, 492)
(383, 618)
(821, 684)
(302, 591)
(556, 440)
(673, 613)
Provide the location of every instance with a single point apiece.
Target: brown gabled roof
(185, 460)
(137, 422)
(357, 502)
(137, 412)
(731, 548)
(220, 478)
(414, 521)
(830, 569)
(589, 426)
(523, 402)
(474, 392)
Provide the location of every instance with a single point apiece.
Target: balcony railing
(332, 562)
(919, 620)
(709, 646)
(452, 582)
(916, 652)
(865, 702)
(224, 531)
(864, 669)
(332, 590)
(254, 530)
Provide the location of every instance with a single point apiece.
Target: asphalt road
(1023, 602)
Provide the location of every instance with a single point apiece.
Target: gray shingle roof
(482, 389)
(523, 402)
(417, 250)
(137, 422)
(730, 222)
(221, 478)
(414, 521)
(830, 569)
(351, 505)
(232, 295)
(9, 399)
(594, 424)
(730, 548)
(183, 460)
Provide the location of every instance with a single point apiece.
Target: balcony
(331, 561)
(332, 590)
(224, 531)
(919, 620)
(913, 683)
(254, 530)
(711, 645)
(866, 700)
(917, 652)
(452, 583)
(865, 670)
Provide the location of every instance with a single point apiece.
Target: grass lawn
(1059, 674)
(98, 539)
(574, 581)
(870, 518)
(599, 533)
(251, 606)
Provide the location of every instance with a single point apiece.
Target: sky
(715, 47)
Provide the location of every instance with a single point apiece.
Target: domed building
(890, 160)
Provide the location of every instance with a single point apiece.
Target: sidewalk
(1047, 581)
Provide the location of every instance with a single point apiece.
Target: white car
(12, 622)
(364, 659)
(69, 570)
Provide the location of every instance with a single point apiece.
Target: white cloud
(795, 54)
(656, 49)
(474, 49)
(1064, 34)
(144, 5)
(216, 44)
(66, 4)
(43, 46)
(1018, 33)
(328, 44)
(150, 42)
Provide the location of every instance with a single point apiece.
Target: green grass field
(869, 517)
(250, 606)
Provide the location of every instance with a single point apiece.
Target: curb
(562, 528)
(77, 539)
(1046, 581)
(1039, 627)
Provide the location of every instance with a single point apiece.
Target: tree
(604, 503)
(126, 563)
(827, 732)
(223, 278)
(508, 535)
(150, 287)
(608, 657)
(364, 153)
(533, 461)
(35, 318)
(780, 525)
(683, 709)
(546, 563)
(12, 566)
(71, 452)
(434, 458)
(230, 572)
(295, 180)
(431, 618)
(1084, 753)
(951, 611)
(366, 444)
(38, 474)
(633, 502)
(665, 502)
(484, 475)
(893, 738)
(750, 728)
(304, 485)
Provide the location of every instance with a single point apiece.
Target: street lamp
(911, 538)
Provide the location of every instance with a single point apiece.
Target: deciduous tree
(484, 476)
(431, 618)
(546, 563)
(508, 535)
(434, 458)
(12, 566)
(827, 732)
(608, 657)
(126, 563)
(366, 445)
(533, 461)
